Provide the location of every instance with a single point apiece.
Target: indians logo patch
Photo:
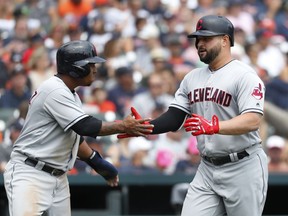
(257, 92)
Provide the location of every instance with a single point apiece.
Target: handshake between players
(195, 124)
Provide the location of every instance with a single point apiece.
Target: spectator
(155, 96)
(124, 90)
(172, 147)
(34, 41)
(17, 39)
(276, 104)
(4, 75)
(114, 51)
(269, 53)
(39, 67)
(164, 160)
(277, 89)
(187, 166)
(98, 102)
(159, 58)
(155, 8)
(169, 80)
(97, 34)
(205, 7)
(44, 12)
(6, 16)
(55, 37)
(181, 67)
(149, 35)
(275, 149)
(12, 134)
(119, 19)
(137, 164)
(190, 164)
(240, 17)
(17, 92)
(276, 118)
(79, 8)
(252, 51)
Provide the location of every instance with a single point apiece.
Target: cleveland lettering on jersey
(210, 94)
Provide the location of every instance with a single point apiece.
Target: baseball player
(35, 178)
(223, 103)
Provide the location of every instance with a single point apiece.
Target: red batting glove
(199, 125)
(137, 116)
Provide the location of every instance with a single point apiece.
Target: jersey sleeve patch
(257, 92)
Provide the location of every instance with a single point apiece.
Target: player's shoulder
(53, 85)
(242, 67)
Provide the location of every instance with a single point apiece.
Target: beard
(210, 55)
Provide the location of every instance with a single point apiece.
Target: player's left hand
(199, 125)
(137, 116)
(104, 168)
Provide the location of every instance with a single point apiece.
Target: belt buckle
(56, 172)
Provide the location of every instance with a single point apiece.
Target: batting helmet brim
(204, 33)
(91, 60)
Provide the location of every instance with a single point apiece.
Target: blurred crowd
(147, 52)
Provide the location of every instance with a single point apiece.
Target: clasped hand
(141, 129)
(199, 125)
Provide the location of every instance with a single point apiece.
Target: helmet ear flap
(79, 71)
(73, 74)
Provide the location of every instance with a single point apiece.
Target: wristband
(101, 166)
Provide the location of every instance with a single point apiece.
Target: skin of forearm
(84, 151)
(109, 128)
(241, 124)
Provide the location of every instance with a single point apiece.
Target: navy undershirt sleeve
(171, 120)
(89, 126)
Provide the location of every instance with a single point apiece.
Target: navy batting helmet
(73, 58)
(214, 25)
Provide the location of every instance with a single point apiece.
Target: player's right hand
(113, 182)
(144, 122)
(199, 125)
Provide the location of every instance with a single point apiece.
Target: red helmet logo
(199, 24)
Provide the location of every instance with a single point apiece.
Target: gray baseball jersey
(240, 187)
(232, 90)
(46, 134)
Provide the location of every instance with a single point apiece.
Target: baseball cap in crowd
(123, 71)
(264, 33)
(149, 31)
(159, 54)
(139, 144)
(275, 141)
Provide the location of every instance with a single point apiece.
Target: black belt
(54, 172)
(225, 159)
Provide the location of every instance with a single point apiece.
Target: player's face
(87, 80)
(208, 48)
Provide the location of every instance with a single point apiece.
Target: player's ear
(225, 40)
